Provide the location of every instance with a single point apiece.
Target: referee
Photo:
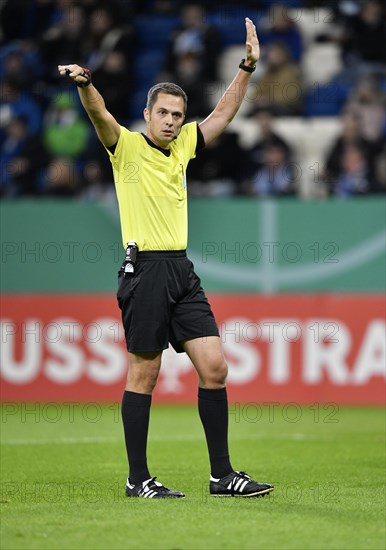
(159, 294)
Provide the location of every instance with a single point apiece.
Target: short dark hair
(165, 88)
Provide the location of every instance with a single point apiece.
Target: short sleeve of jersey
(188, 139)
(126, 139)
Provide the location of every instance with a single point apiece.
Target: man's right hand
(75, 72)
(107, 128)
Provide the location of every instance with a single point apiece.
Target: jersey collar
(165, 152)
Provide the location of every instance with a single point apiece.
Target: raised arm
(106, 126)
(230, 102)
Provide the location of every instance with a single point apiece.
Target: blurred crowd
(48, 146)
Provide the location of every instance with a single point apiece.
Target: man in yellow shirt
(159, 293)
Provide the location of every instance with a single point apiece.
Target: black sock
(213, 410)
(135, 418)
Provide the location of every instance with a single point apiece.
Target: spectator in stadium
(380, 169)
(280, 86)
(279, 27)
(364, 34)
(61, 178)
(195, 36)
(23, 20)
(15, 102)
(18, 68)
(188, 73)
(63, 40)
(367, 103)
(115, 79)
(354, 177)
(105, 34)
(155, 7)
(275, 176)
(218, 170)
(97, 183)
(351, 136)
(267, 137)
(22, 160)
(65, 132)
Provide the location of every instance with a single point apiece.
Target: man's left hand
(251, 44)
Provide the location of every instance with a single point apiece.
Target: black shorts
(162, 302)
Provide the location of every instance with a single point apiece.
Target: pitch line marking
(185, 437)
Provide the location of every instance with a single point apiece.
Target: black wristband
(86, 74)
(246, 67)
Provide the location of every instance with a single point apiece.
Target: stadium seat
(155, 29)
(309, 139)
(247, 130)
(294, 131)
(147, 65)
(288, 3)
(230, 23)
(328, 99)
(138, 125)
(321, 62)
(311, 22)
(137, 103)
(322, 132)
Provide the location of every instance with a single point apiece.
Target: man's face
(165, 119)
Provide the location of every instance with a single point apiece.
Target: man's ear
(146, 114)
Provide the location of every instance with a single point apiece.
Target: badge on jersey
(183, 177)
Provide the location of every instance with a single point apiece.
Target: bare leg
(208, 360)
(143, 372)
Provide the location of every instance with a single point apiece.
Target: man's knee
(216, 373)
(143, 372)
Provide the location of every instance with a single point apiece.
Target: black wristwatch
(246, 67)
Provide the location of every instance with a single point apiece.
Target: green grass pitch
(63, 471)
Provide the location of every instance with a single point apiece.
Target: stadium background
(296, 276)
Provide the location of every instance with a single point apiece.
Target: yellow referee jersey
(151, 189)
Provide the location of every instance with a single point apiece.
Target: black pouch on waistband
(128, 265)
